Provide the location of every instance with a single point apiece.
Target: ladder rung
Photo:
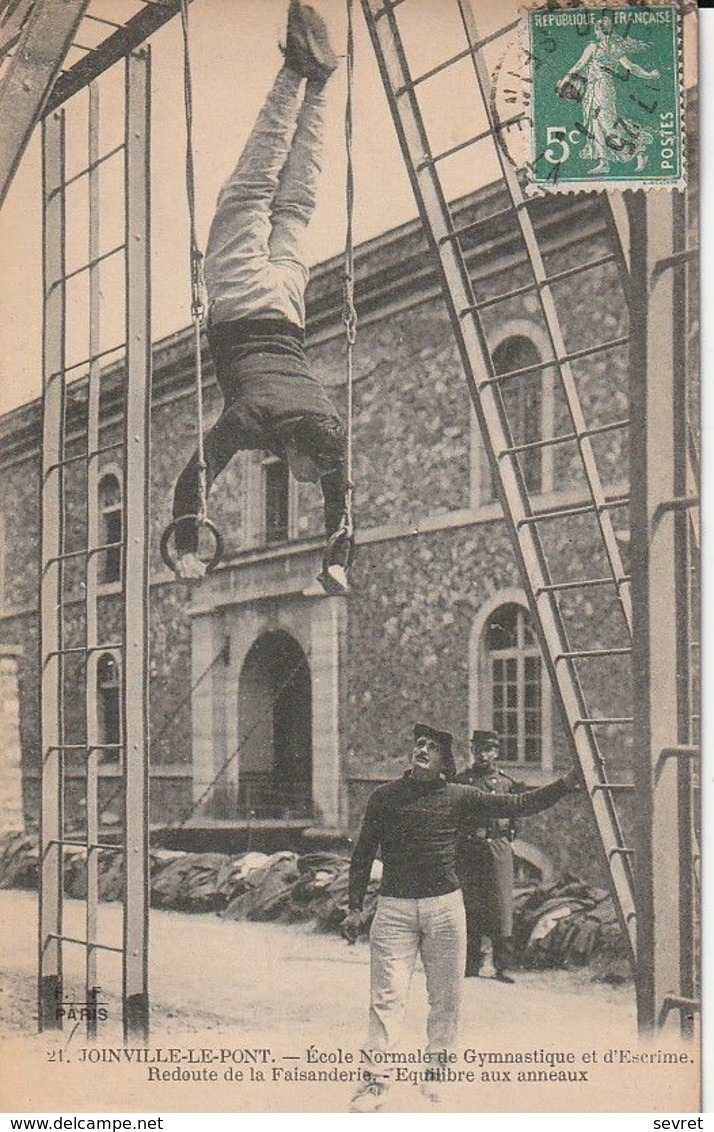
(389, 5)
(89, 168)
(84, 649)
(564, 512)
(98, 845)
(65, 652)
(605, 721)
(613, 502)
(578, 269)
(584, 654)
(678, 1002)
(84, 943)
(66, 556)
(611, 787)
(611, 426)
(585, 583)
(537, 285)
(537, 367)
(103, 20)
(621, 849)
(564, 438)
(680, 503)
(677, 259)
(86, 456)
(84, 362)
(458, 58)
(482, 135)
(86, 552)
(84, 746)
(87, 266)
(680, 751)
(475, 225)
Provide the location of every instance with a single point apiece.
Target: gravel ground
(236, 988)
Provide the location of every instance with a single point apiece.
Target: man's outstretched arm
(487, 805)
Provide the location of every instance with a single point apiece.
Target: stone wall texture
(432, 550)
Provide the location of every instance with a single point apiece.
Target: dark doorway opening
(275, 706)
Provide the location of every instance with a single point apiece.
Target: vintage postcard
(350, 557)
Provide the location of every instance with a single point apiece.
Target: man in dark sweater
(256, 275)
(416, 821)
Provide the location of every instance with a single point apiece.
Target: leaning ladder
(531, 525)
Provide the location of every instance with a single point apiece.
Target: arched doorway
(275, 729)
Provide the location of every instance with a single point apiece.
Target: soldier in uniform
(485, 863)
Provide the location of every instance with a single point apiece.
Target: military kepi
(480, 740)
(445, 740)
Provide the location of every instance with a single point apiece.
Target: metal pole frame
(43, 45)
(49, 991)
(135, 562)
(94, 754)
(659, 555)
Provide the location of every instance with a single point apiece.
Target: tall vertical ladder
(532, 526)
(79, 623)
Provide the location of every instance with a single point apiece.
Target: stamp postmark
(601, 92)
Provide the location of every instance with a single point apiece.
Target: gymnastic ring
(215, 558)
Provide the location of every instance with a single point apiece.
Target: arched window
(111, 527)
(108, 702)
(527, 401)
(515, 676)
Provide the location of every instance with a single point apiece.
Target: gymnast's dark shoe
(504, 977)
(333, 580)
(308, 51)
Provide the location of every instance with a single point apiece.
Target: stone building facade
(274, 706)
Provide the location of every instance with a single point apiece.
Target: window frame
(480, 478)
(106, 513)
(110, 756)
(481, 685)
(268, 462)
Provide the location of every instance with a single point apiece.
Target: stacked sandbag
(570, 925)
(320, 891)
(567, 925)
(18, 861)
(111, 874)
(264, 892)
(189, 882)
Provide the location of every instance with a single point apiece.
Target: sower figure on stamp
(485, 863)
(416, 822)
(611, 136)
(256, 276)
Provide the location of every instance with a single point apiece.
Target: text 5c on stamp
(605, 96)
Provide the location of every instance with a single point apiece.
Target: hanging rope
(198, 309)
(198, 313)
(349, 313)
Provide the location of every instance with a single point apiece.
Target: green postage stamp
(605, 90)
